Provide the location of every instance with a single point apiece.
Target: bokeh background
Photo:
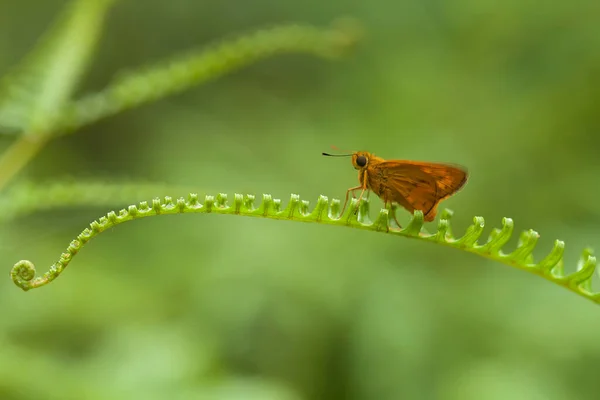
(223, 307)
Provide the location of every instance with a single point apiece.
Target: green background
(223, 307)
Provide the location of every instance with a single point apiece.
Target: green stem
(150, 84)
(18, 155)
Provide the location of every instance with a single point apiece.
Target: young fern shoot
(550, 268)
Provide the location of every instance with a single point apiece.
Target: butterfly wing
(450, 178)
(416, 185)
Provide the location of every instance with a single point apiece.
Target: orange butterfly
(412, 184)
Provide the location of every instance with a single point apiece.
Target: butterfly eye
(361, 161)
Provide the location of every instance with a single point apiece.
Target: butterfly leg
(360, 198)
(353, 196)
(393, 211)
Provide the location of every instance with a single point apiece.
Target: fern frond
(550, 268)
(34, 95)
(153, 83)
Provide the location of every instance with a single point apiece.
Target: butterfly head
(360, 159)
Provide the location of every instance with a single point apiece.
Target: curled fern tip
(22, 274)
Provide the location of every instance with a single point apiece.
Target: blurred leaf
(32, 97)
(24, 198)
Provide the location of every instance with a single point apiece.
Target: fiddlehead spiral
(550, 267)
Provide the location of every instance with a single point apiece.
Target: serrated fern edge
(551, 267)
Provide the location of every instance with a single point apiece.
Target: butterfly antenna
(337, 155)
